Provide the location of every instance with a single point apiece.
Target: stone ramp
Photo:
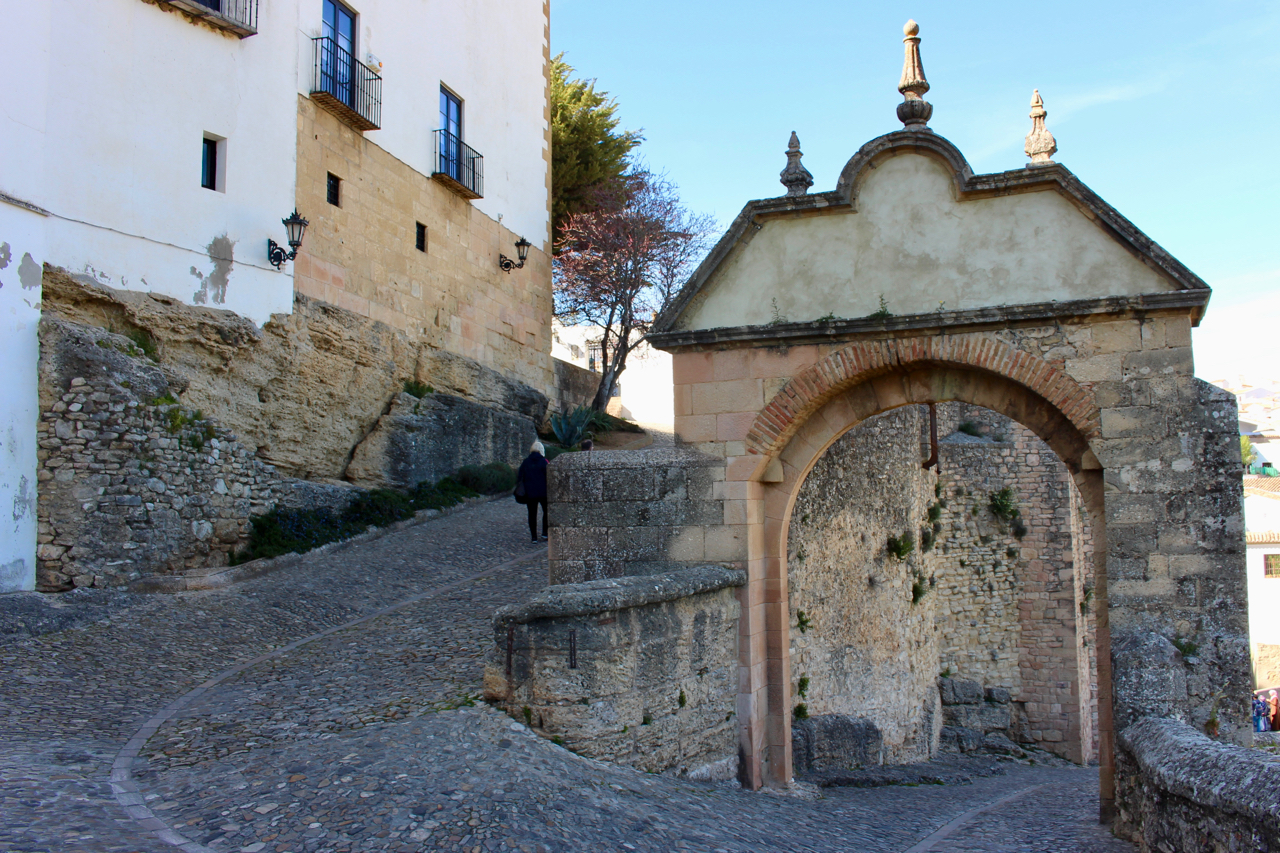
(363, 738)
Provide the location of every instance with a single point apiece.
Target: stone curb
(225, 576)
(600, 596)
(123, 785)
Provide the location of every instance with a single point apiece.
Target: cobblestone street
(332, 706)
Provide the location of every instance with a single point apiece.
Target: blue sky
(1168, 111)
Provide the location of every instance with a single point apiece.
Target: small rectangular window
(335, 190)
(1271, 565)
(209, 164)
(422, 237)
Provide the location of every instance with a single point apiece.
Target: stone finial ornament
(1040, 142)
(795, 177)
(914, 111)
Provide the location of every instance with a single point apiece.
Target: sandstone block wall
(1179, 790)
(637, 670)
(130, 485)
(362, 256)
(616, 513)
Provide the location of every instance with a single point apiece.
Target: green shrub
(969, 428)
(801, 712)
(142, 340)
(488, 479)
(935, 512)
(927, 537)
(605, 422)
(286, 531)
(414, 388)
(570, 429)
(901, 546)
(802, 688)
(803, 622)
(1004, 504)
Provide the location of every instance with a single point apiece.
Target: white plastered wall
(1262, 514)
(487, 52)
(22, 254)
(133, 89)
(911, 242)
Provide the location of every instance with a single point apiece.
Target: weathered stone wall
(1178, 790)
(131, 485)
(638, 671)
(575, 386)
(861, 645)
(615, 513)
(304, 390)
(362, 256)
(424, 439)
(1012, 589)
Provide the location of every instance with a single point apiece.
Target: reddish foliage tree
(620, 264)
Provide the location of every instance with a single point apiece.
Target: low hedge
(290, 531)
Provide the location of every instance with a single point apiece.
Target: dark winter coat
(533, 473)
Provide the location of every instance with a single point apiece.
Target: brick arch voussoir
(807, 391)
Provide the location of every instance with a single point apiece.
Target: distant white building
(645, 392)
(156, 145)
(1262, 537)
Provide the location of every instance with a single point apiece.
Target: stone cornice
(999, 317)
(967, 186)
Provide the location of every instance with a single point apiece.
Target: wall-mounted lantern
(296, 226)
(522, 251)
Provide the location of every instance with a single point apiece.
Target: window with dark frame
(209, 164)
(422, 237)
(334, 190)
(1271, 565)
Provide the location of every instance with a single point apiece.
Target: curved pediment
(910, 223)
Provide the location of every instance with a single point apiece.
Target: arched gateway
(915, 281)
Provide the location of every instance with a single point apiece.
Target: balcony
(346, 87)
(458, 166)
(238, 16)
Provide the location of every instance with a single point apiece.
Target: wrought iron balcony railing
(238, 16)
(345, 86)
(458, 165)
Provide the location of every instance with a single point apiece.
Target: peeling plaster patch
(13, 575)
(30, 272)
(24, 500)
(221, 252)
(5, 256)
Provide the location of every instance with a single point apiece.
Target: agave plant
(570, 429)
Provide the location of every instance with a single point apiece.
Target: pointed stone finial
(914, 111)
(795, 177)
(1040, 142)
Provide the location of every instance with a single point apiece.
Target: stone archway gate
(914, 281)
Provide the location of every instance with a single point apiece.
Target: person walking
(1273, 702)
(533, 476)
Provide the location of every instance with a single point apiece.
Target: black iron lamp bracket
(277, 255)
(508, 264)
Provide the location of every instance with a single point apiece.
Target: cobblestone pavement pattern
(367, 739)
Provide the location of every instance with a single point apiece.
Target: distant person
(1261, 714)
(1273, 699)
(533, 475)
(587, 444)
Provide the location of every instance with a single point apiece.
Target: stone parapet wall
(1178, 790)
(616, 513)
(640, 671)
(575, 386)
(130, 484)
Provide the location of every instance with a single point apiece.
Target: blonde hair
(537, 448)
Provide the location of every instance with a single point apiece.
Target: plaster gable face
(913, 243)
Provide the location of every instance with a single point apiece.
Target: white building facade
(1262, 522)
(155, 146)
